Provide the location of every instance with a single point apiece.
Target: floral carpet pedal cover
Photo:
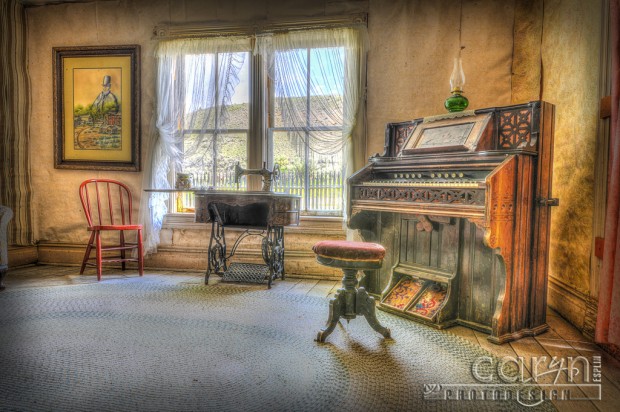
(403, 293)
(431, 301)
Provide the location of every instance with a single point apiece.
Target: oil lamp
(457, 102)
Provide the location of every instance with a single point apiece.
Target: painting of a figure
(97, 115)
(97, 107)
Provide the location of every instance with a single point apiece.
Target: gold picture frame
(97, 107)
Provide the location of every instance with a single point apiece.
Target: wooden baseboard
(576, 307)
(22, 255)
(298, 263)
(61, 253)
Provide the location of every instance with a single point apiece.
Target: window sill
(328, 225)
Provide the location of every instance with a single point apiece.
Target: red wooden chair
(107, 206)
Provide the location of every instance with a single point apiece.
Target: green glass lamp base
(456, 103)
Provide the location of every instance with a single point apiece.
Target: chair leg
(99, 257)
(87, 254)
(140, 254)
(121, 235)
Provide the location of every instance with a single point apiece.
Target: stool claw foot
(335, 312)
(366, 307)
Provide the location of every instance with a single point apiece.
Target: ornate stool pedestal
(350, 301)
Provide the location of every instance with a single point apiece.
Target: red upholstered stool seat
(349, 251)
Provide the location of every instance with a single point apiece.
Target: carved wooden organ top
(463, 201)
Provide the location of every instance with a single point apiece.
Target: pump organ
(462, 204)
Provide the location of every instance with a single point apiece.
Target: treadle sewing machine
(461, 203)
(261, 214)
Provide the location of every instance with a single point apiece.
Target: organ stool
(350, 300)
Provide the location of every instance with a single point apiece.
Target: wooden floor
(562, 340)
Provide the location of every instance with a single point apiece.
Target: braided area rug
(142, 345)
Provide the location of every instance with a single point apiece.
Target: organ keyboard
(461, 203)
(429, 179)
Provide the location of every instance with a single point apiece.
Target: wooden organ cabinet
(462, 204)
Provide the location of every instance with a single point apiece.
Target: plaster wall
(571, 70)
(412, 48)
(58, 212)
(413, 44)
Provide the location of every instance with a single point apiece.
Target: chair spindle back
(106, 202)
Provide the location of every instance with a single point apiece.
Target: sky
(292, 81)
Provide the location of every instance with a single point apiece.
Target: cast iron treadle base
(246, 272)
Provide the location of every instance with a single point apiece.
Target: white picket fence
(324, 188)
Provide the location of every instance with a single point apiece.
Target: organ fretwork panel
(461, 203)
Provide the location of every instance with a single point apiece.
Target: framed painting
(97, 107)
(449, 135)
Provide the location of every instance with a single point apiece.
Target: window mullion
(268, 106)
(174, 167)
(307, 132)
(216, 116)
(257, 146)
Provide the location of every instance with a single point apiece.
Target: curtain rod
(218, 28)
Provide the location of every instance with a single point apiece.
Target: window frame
(259, 139)
(218, 131)
(259, 134)
(306, 130)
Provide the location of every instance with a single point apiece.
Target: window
(216, 126)
(288, 98)
(306, 116)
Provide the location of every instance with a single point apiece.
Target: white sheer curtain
(335, 81)
(193, 89)
(329, 66)
(196, 79)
